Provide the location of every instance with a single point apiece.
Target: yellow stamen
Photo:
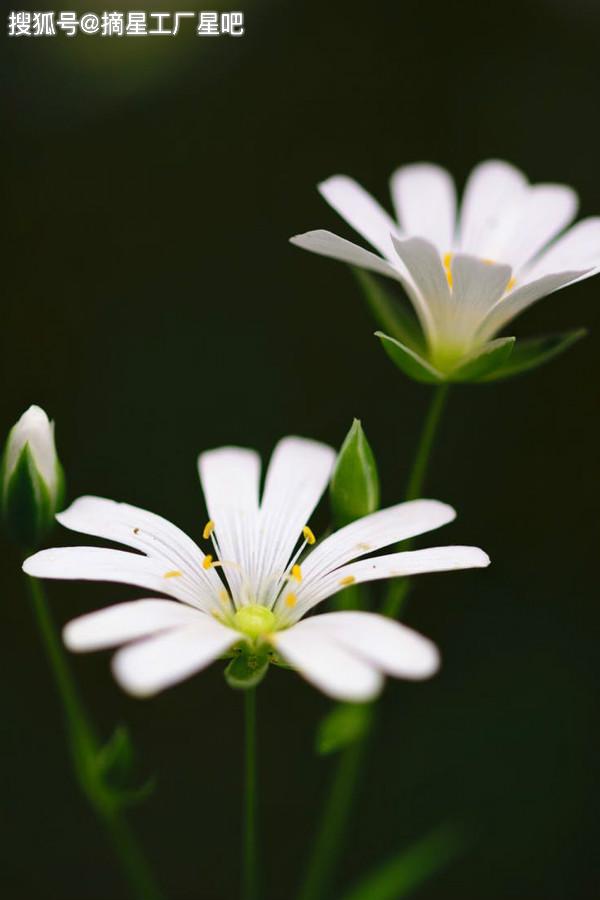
(510, 285)
(308, 535)
(173, 573)
(291, 600)
(207, 562)
(349, 579)
(208, 529)
(447, 261)
(297, 573)
(224, 597)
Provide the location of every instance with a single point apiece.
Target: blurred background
(153, 306)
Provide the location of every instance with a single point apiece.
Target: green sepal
(343, 726)
(27, 509)
(114, 762)
(529, 354)
(247, 669)
(484, 362)
(354, 488)
(391, 313)
(409, 361)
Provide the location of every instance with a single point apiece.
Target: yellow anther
(207, 561)
(447, 260)
(297, 573)
(291, 600)
(208, 529)
(349, 579)
(510, 285)
(308, 535)
(172, 573)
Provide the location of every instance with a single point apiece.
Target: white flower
(254, 588)
(468, 274)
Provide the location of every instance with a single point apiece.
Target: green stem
(423, 455)
(399, 588)
(329, 840)
(330, 836)
(84, 751)
(250, 855)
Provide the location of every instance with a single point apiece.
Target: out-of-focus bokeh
(152, 304)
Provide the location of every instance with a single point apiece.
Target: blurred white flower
(467, 274)
(254, 589)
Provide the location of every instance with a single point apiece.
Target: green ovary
(254, 620)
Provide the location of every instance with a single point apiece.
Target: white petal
(328, 244)
(144, 531)
(298, 473)
(493, 189)
(371, 533)
(126, 622)
(118, 566)
(424, 265)
(578, 248)
(514, 303)
(476, 286)
(145, 668)
(230, 479)
(543, 212)
(324, 662)
(393, 565)
(361, 211)
(425, 201)
(391, 647)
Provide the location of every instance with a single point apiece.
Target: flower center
(254, 620)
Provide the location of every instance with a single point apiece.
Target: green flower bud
(31, 479)
(354, 486)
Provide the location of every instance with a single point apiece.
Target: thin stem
(84, 749)
(250, 854)
(399, 588)
(329, 840)
(423, 455)
(334, 820)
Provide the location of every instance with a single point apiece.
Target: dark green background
(153, 306)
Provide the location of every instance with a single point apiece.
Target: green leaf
(115, 757)
(114, 763)
(344, 725)
(411, 363)
(402, 874)
(354, 488)
(391, 313)
(484, 362)
(535, 352)
(246, 670)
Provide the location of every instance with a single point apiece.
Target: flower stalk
(85, 750)
(331, 832)
(398, 590)
(250, 840)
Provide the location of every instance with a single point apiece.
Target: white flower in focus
(256, 586)
(468, 273)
